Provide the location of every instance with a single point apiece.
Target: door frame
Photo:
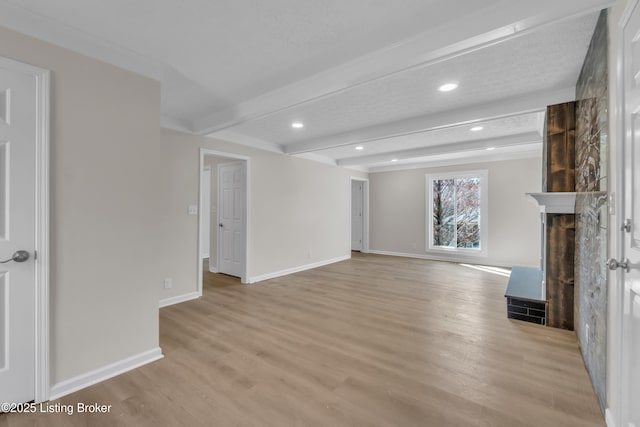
(245, 216)
(41, 256)
(365, 212)
(617, 387)
(204, 207)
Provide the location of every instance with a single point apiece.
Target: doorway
(24, 231)
(359, 214)
(223, 224)
(231, 211)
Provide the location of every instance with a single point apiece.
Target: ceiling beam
(230, 136)
(531, 151)
(498, 22)
(508, 107)
(456, 147)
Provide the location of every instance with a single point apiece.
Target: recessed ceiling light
(491, 148)
(448, 87)
(359, 147)
(394, 160)
(476, 128)
(297, 125)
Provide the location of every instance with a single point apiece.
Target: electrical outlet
(309, 254)
(167, 283)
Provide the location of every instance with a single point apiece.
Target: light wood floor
(374, 341)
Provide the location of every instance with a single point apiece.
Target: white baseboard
(608, 417)
(180, 298)
(101, 374)
(213, 269)
(433, 257)
(288, 271)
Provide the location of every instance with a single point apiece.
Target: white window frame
(484, 209)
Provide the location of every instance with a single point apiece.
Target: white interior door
(630, 369)
(17, 232)
(231, 211)
(357, 218)
(205, 211)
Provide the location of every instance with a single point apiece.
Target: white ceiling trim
(261, 144)
(480, 144)
(508, 107)
(466, 34)
(473, 157)
(45, 28)
(175, 124)
(317, 158)
(541, 123)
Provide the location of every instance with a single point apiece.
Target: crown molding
(248, 141)
(44, 28)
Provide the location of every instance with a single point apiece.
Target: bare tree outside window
(456, 212)
(444, 213)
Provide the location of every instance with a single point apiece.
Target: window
(456, 214)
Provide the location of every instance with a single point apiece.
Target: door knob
(614, 264)
(19, 256)
(220, 225)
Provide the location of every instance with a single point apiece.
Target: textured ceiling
(492, 130)
(532, 62)
(361, 72)
(239, 49)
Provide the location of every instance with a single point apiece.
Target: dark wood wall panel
(560, 274)
(560, 161)
(560, 147)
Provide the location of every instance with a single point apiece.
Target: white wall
(298, 210)
(398, 212)
(104, 206)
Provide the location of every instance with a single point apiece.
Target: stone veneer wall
(590, 302)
